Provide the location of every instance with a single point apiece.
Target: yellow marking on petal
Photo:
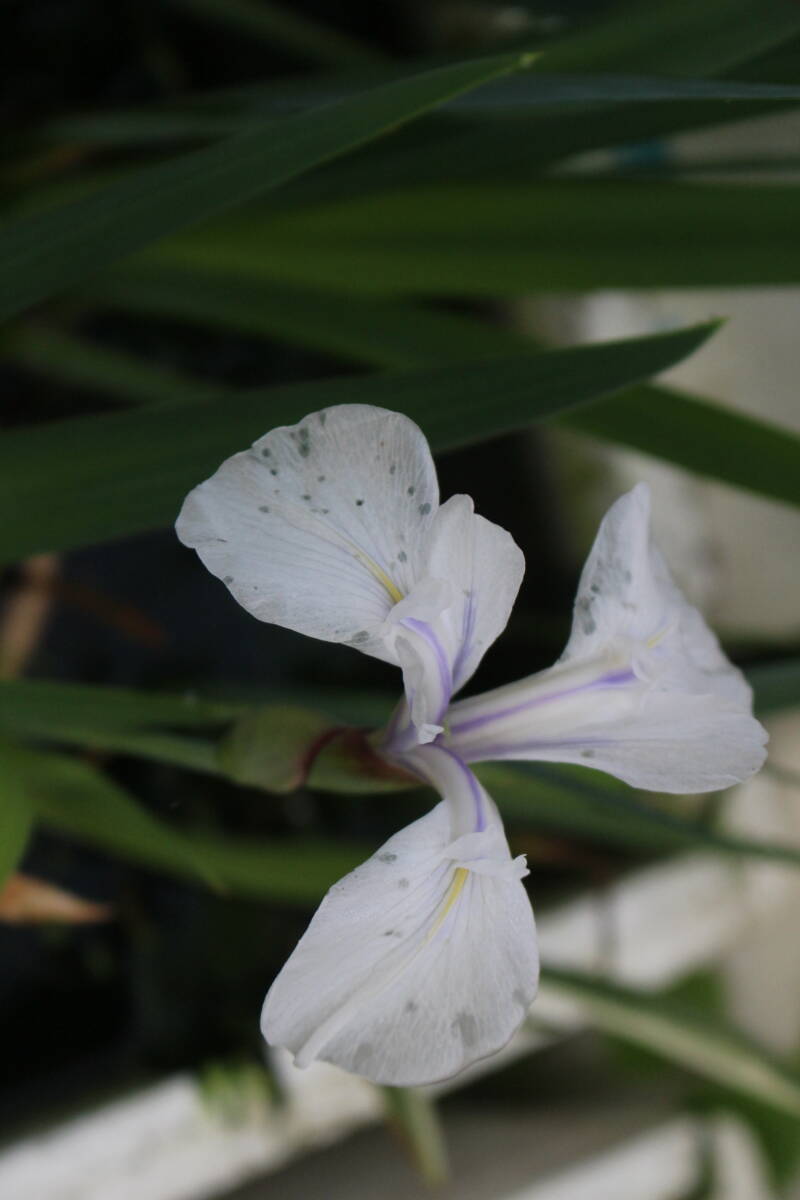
(453, 892)
(659, 637)
(379, 574)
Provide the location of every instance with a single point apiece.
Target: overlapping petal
(472, 571)
(643, 689)
(332, 527)
(422, 960)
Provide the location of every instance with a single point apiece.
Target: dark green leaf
(80, 363)
(682, 37)
(700, 435)
(382, 333)
(588, 804)
(118, 720)
(88, 479)
(32, 704)
(694, 433)
(504, 237)
(70, 796)
(47, 252)
(530, 102)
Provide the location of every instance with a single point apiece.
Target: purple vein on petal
(474, 786)
(611, 679)
(443, 666)
(499, 750)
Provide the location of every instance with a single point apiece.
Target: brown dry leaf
(26, 900)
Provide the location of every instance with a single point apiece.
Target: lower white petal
(414, 966)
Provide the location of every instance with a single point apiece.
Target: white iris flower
(424, 959)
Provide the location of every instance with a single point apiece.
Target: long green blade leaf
(681, 37)
(511, 238)
(46, 252)
(711, 1050)
(118, 719)
(70, 796)
(382, 333)
(694, 433)
(87, 479)
(588, 804)
(534, 95)
(27, 704)
(116, 376)
(699, 435)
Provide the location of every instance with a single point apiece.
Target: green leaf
(413, 1113)
(383, 333)
(42, 704)
(16, 816)
(47, 252)
(588, 804)
(520, 108)
(662, 1027)
(780, 64)
(72, 797)
(80, 363)
(515, 147)
(117, 719)
(512, 238)
(699, 435)
(695, 433)
(88, 479)
(272, 746)
(682, 37)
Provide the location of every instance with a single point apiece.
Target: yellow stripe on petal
(453, 892)
(652, 642)
(379, 574)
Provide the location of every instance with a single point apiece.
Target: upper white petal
(320, 526)
(627, 597)
(414, 966)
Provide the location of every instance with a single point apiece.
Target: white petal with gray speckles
(319, 526)
(414, 966)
